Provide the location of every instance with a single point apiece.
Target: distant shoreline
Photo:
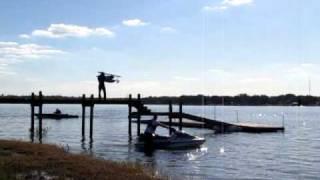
(238, 100)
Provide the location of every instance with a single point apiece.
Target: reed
(23, 160)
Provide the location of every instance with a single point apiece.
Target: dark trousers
(148, 144)
(102, 88)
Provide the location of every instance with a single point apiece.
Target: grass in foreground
(23, 160)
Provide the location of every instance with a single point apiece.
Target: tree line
(241, 99)
(238, 100)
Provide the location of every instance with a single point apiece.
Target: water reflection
(87, 147)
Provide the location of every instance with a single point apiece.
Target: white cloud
(182, 78)
(3, 63)
(237, 2)
(219, 72)
(308, 65)
(134, 22)
(25, 36)
(4, 73)
(168, 29)
(256, 80)
(215, 8)
(302, 70)
(70, 30)
(226, 4)
(12, 51)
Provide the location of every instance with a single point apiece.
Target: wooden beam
(180, 115)
(129, 117)
(65, 100)
(32, 116)
(83, 129)
(139, 116)
(170, 117)
(177, 124)
(91, 117)
(40, 116)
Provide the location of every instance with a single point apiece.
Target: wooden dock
(136, 110)
(217, 126)
(90, 102)
(64, 100)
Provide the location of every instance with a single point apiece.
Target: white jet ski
(178, 140)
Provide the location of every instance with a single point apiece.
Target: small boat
(178, 140)
(57, 116)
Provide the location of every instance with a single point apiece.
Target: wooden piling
(32, 116)
(170, 117)
(139, 116)
(180, 115)
(91, 116)
(40, 115)
(83, 116)
(130, 117)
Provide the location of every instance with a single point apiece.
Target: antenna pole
(309, 85)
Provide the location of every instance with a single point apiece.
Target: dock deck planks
(27, 100)
(218, 126)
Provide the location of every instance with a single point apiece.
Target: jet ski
(177, 140)
(56, 116)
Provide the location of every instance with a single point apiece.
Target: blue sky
(171, 47)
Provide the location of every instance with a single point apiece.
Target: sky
(171, 47)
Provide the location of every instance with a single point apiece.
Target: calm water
(290, 155)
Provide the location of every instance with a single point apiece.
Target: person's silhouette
(101, 79)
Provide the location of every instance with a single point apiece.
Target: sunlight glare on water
(222, 150)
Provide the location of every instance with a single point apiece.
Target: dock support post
(91, 117)
(170, 117)
(180, 115)
(129, 117)
(83, 117)
(32, 117)
(40, 116)
(139, 116)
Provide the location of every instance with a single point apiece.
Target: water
(293, 154)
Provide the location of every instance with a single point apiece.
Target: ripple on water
(292, 155)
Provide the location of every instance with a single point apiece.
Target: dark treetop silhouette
(106, 77)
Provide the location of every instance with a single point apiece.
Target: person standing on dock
(102, 87)
(106, 77)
